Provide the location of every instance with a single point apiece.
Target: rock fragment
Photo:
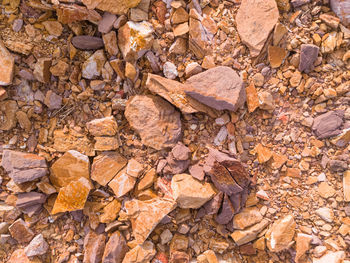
(30, 203)
(346, 186)
(21, 232)
(103, 127)
(169, 70)
(342, 9)
(115, 249)
(141, 253)
(94, 245)
(68, 14)
(87, 42)
(37, 247)
(110, 42)
(42, 70)
(52, 100)
(92, 67)
(117, 7)
(303, 245)
(7, 65)
(308, 56)
(247, 217)
(328, 124)
(242, 237)
(226, 213)
(19, 256)
(53, 27)
(330, 257)
(8, 111)
(105, 25)
(122, 183)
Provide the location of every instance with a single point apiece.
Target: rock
(110, 42)
(346, 186)
(197, 171)
(328, 124)
(92, 67)
(115, 249)
(30, 203)
(252, 97)
(60, 69)
(255, 20)
(103, 127)
(94, 245)
(192, 68)
(276, 56)
(7, 66)
(342, 139)
(105, 25)
(134, 39)
(23, 167)
(325, 213)
(308, 56)
(130, 71)
(68, 168)
(342, 9)
(4, 226)
(122, 183)
(110, 212)
(325, 190)
(8, 111)
(53, 27)
(331, 257)
(104, 143)
(247, 217)
(337, 166)
(303, 245)
(105, 166)
(242, 237)
(169, 70)
(163, 126)
(117, 7)
(166, 236)
(226, 213)
(21, 232)
(52, 100)
(42, 70)
(189, 192)
(212, 206)
(87, 42)
(220, 88)
(298, 3)
(134, 168)
(179, 256)
(17, 25)
(330, 20)
(68, 14)
(36, 247)
(72, 197)
(19, 256)
(146, 215)
(180, 30)
(266, 101)
(181, 152)
(280, 235)
(179, 47)
(141, 253)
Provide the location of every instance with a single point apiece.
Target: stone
(23, 167)
(4, 226)
(276, 56)
(52, 100)
(115, 249)
(342, 139)
(331, 257)
(325, 213)
(179, 256)
(342, 10)
(146, 215)
(212, 206)
(130, 71)
(110, 212)
(302, 246)
(118, 7)
(19, 256)
(252, 97)
(169, 70)
(42, 70)
(60, 69)
(141, 253)
(92, 67)
(166, 236)
(37, 247)
(135, 39)
(327, 125)
(346, 186)
(72, 197)
(308, 56)
(21, 232)
(134, 168)
(264, 153)
(102, 127)
(337, 166)
(220, 88)
(197, 171)
(8, 118)
(189, 192)
(192, 68)
(87, 42)
(70, 167)
(330, 20)
(105, 166)
(68, 14)
(242, 237)
(279, 31)
(7, 66)
(30, 203)
(325, 190)
(53, 27)
(94, 246)
(106, 143)
(122, 183)
(17, 25)
(179, 16)
(163, 126)
(181, 29)
(280, 235)
(105, 25)
(179, 46)
(255, 20)
(110, 42)
(298, 3)
(226, 213)
(266, 101)
(181, 152)
(247, 217)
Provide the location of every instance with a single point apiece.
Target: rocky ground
(174, 131)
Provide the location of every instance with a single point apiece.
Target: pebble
(169, 70)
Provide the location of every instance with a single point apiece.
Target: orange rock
(264, 153)
(148, 180)
(7, 64)
(72, 197)
(122, 183)
(346, 186)
(247, 217)
(252, 97)
(106, 143)
(68, 14)
(303, 245)
(276, 56)
(18, 256)
(141, 253)
(117, 7)
(293, 172)
(110, 212)
(103, 127)
(325, 190)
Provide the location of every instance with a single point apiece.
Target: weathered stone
(105, 25)
(94, 245)
(110, 42)
(21, 232)
(105, 166)
(106, 143)
(70, 167)
(331, 257)
(134, 168)
(247, 217)
(42, 70)
(303, 245)
(298, 3)
(53, 27)
(115, 249)
(169, 70)
(220, 88)
(308, 56)
(141, 253)
(110, 212)
(266, 101)
(325, 213)
(68, 14)
(276, 56)
(342, 9)
(255, 20)
(212, 206)
(325, 190)
(8, 111)
(72, 197)
(157, 122)
(197, 171)
(252, 97)
(346, 186)
(87, 42)
(242, 237)
(19, 256)
(60, 69)
(31, 202)
(122, 183)
(145, 215)
(226, 213)
(52, 100)
(38, 246)
(7, 66)
(189, 192)
(280, 235)
(103, 127)
(117, 7)
(92, 67)
(264, 153)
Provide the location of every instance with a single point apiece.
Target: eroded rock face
(157, 122)
(117, 7)
(328, 124)
(255, 20)
(220, 88)
(7, 65)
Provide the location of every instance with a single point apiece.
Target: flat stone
(106, 143)
(110, 212)
(105, 166)
(276, 56)
(197, 171)
(220, 88)
(110, 42)
(325, 213)
(92, 67)
(308, 56)
(266, 101)
(19, 256)
(342, 10)
(115, 249)
(37, 247)
(53, 27)
(102, 127)
(42, 70)
(94, 246)
(226, 213)
(8, 110)
(52, 100)
(298, 3)
(302, 246)
(87, 42)
(242, 237)
(146, 215)
(189, 192)
(264, 153)
(141, 253)
(247, 217)
(331, 257)
(21, 232)
(325, 190)
(280, 235)
(117, 7)
(105, 25)
(346, 186)
(7, 66)
(70, 167)
(163, 126)
(252, 97)
(31, 202)
(255, 20)
(60, 69)
(72, 197)
(68, 14)
(122, 183)
(134, 168)
(212, 206)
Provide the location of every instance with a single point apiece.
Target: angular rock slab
(220, 88)
(328, 124)
(255, 20)
(308, 55)
(103, 127)
(141, 253)
(94, 245)
(7, 65)
(145, 215)
(342, 9)
(38, 246)
(242, 237)
(157, 122)
(115, 249)
(117, 7)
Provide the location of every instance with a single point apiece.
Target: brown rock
(212, 206)
(330, 20)
(53, 27)
(298, 3)
(155, 120)
(7, 66)
(255, 20)
(60, 69)
(145, 215)
(179, 16)
(42, 70)
(130, 71)
(8, 111)
(219, 87)
(346, 186)
(226, 213)
(325, 190)
(52, 100)
(105, 25)
(303, 245)
(115, 249)
(328, 124)
(19, 256)
(110, 42)
(70, 167)
(159, 8)
(21, 232)
(38, 246)
(308, 56)
(331, 257)
(276, 56)
(181, 29)
(147, 180)
(103, 127)
(141, 253)
(30, 203)
(242, 237)
(279, 31)
(68, 14)
(179, 257)
(189, 192)
(94, 245)
(118, 67)
(72, 197)
(134, 168)
(92, 67)
(252, 97)
(87, 42)
(117, 7)
(197, 171)
(342, 9)
(106, 166)
(280, 235)
(247, 217)
(264, 153)
(110, 212)
(104, 143)
(122, 183)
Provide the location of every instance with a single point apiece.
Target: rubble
(7, 63)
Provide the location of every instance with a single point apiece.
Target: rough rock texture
(220, 88)
(115, 249)
(247, 217)
(8, 110)
(30, 203)
(145, 215)
(189, 192)
(242, 237)
(346, 186)
(157, 122)
(308, 55)
(68, 14)
(38, 246)
(117, 7)
(92, 67)
(331, 257)
(302, 246)
(122, 183)
(255, 19)
(103, 127)
(7, 66)
(342, 9)
(20, 231)
(87, 42)
(141, 253)
(328, 124)
(19, 256)
(94, 245)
